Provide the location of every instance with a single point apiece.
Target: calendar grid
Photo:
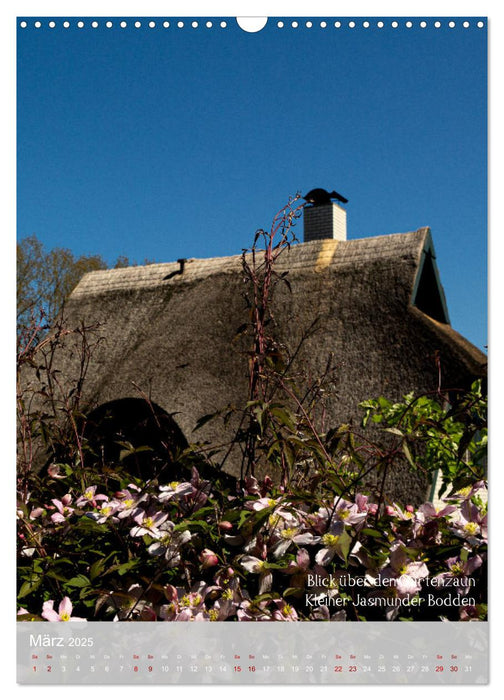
(302, 653)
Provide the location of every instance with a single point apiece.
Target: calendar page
(251, 371)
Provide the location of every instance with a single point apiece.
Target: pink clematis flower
(430, 512)
(331, 544)
(129, 500)
(169, 543)
(90, 498)
(257, 566)
(106, 511)
(291, 535)
(63, 508)
(147, 523)
(208, 559)
(175, 489)
(406, 573)
(471, 523)
(64, 611)
(459, 572)
(285, 612)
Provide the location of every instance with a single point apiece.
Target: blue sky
(166, 143)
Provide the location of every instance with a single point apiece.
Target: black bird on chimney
(318, 197)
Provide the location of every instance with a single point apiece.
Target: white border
(257, 8)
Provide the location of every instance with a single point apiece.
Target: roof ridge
(298, 257)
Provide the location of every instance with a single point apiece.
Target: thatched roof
(380, 309)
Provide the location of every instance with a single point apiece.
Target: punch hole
(223, 25)
(252, 24)
(52, 25)
(323, 25)
(280, 24)
(94, 25)
(209, 25)
(23, 25)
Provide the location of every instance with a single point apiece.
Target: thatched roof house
(381, 311)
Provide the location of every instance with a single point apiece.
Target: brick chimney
(326, 220)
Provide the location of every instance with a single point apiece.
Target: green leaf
(407, 454)
(394, 431)
(344, 543)
(294, 592)
(371, 533)
(96, 569)
(30, 586)
(78, 581)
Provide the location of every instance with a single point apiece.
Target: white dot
(409, 24)
(423, 24)
(309, 25)
(152, 25)
(108, 25)
(223, 25)
(294, 24)
(194, 25)
(395, 24)
(280, 25)
(23, 25)
(323, 25)
(138, 25)
(52, 24)
(166, 24)
(365, 25)
(94, 24)
(437, 24)
(124, 24)
(337, 25)
(180, 25)
(80, 24)
(451, 24)
(466, 24)
(351, 25)
(209, 25)
(481, 25)
(38, 25)
(380, 25)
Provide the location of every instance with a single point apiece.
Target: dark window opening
(428, 296)
(136, 437)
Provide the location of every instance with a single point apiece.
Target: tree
(45, 278)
